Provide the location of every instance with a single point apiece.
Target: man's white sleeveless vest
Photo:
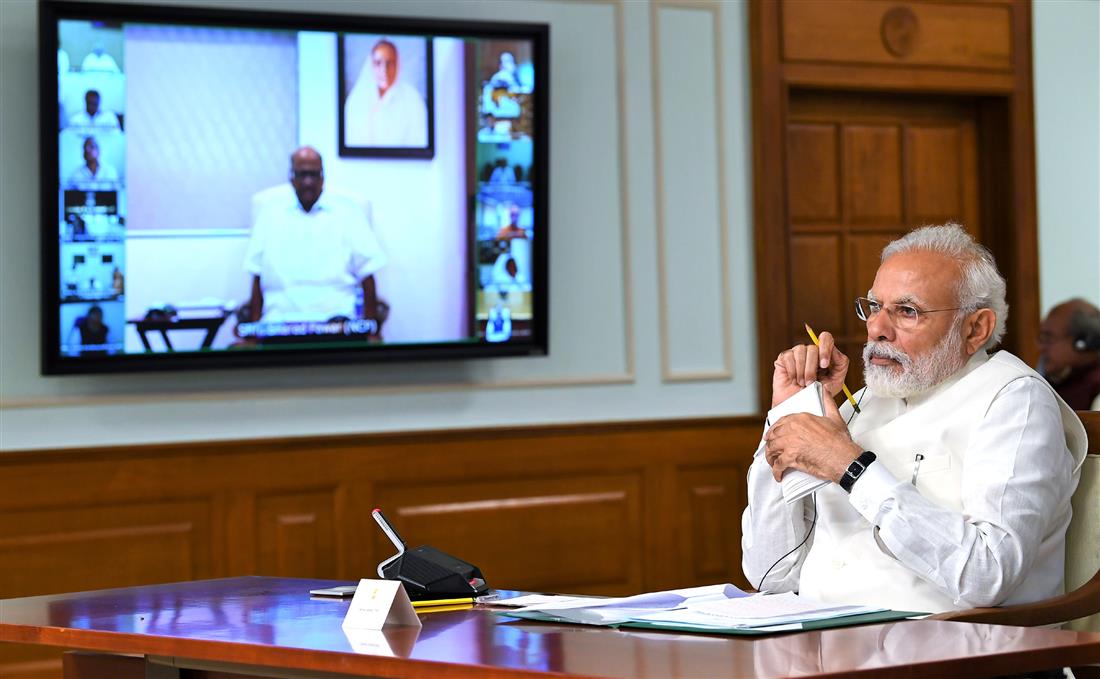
(845, 563)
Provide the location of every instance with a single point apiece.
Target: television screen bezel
(52, 360)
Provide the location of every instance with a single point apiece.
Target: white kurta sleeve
(771, 528)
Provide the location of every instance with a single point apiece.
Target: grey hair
(981, 287)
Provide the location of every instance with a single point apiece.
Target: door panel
(902, 162)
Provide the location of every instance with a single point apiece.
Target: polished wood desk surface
(273, 622)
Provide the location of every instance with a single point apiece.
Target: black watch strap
(856, 469)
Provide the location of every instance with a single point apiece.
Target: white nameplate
(378, 603)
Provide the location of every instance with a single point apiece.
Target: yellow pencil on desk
(817, 343)
(431, 603)
(421, 610)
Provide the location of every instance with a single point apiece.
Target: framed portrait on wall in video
(385, 96)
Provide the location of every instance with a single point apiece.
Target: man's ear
(977, 329)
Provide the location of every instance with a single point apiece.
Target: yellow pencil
(851, 399)
(443, 602)
(421, 610)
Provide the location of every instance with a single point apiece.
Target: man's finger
(828, 346)
(832, 412)
(809, 365)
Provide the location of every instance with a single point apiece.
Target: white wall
(620, 348)
(1067, 137)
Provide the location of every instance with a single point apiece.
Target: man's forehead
(916, 276)
(305, 160)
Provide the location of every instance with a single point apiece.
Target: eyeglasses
(306, 174)
(905, 316)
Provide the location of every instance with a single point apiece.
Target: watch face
(858, 466)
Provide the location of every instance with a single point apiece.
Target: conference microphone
(426, 572)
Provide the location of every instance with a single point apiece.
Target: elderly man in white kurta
(308, 258)
(383, 110)
(952, 484)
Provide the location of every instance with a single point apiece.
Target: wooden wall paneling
(812, 175)
(902, 81)
(238, 550)
(769, 113)
(577, 533)
(933, 174)
(817, 273)
(953, 35)
(296, 533)
(586, 508)
(111, 545)
(708, 533)
(659, 524)
(1023, 257)
(872, 174)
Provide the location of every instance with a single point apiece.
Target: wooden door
(862, 170)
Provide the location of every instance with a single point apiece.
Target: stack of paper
(761, 610)
(796, 484)
(616, 610)
(712, 608)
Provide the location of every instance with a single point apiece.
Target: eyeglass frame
(892, 313)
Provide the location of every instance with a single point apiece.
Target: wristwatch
(856, 469)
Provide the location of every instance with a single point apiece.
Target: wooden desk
(271, 625)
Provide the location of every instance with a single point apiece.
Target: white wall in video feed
(418, 207)
(212, 120)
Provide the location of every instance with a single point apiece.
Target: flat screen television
(226, 188)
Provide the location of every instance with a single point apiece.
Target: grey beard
(917, 375)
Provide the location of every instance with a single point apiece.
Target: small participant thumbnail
(92, 328)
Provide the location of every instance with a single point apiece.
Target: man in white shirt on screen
(93, 115)
(952, 484)
(309, 259)
(62, 60)
(382, 110)
(99, 60)
(93, 174)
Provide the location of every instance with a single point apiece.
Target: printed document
(797, 484)
(699, 608)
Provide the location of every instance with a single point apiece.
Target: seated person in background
(118, 282)
(511, 229)
(965, 499)
(93, 115)
(93, 174)
(505, 77)
(498, 327)
(99, 60)
(62, 59)
(507, 276)
(1069, 353)
(307, 259)
(502, 174)
(93, 331)
(494, 130)
(382, 109)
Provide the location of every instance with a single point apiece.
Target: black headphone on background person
(1085, 331)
